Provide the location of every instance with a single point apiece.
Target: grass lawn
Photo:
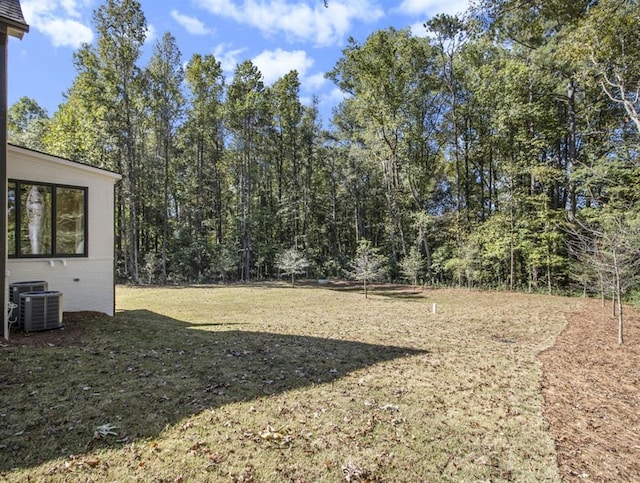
(271, 383)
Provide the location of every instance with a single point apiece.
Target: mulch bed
(70, 334)
(591, 388)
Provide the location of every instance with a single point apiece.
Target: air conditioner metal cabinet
(16, 288)
(41, 310)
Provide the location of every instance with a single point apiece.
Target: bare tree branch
(609, 247)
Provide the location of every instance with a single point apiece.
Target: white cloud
(151, 34)
(190, 24)
(66, 32)
(328, 101)
(298, 20)
(306, 100)
(274, 64)
(432, 7)
(60, 20)
(334, 97)
(227, 56)
(71, 7)
(315, 82)
(419, 30)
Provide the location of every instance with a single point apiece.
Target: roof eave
(17, 33)
(65, 162)
(14, 27)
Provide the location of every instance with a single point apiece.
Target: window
(45, 220)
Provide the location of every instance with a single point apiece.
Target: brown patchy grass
(270, 383)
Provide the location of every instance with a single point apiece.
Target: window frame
(17, 242)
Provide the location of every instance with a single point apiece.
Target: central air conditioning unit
(41, 310)
(16, 288)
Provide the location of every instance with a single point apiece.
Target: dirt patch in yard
(69, 335)
(592, 392)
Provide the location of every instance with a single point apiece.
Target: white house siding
(87, 284)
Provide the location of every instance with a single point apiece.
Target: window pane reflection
(35, 207)
(69, 221)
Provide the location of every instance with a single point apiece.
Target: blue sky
(277, 35)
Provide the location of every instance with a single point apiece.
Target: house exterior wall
(87, 283)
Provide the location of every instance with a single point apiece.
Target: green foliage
(75, 130)
(27, 124)
(291, 262)
(394, 95)
(245, 116)
(368, 265)
(223, 262)
(412, 265)
(606, 48)
(474, 145)
(494, 240)
(152, 266)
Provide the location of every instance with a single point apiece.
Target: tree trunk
(512, 254)
(618, 296)
(165, 217)
(571, 151)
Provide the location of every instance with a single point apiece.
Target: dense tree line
(476, 155)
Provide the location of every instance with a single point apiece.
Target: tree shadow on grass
(390, 290)
(139, 372)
